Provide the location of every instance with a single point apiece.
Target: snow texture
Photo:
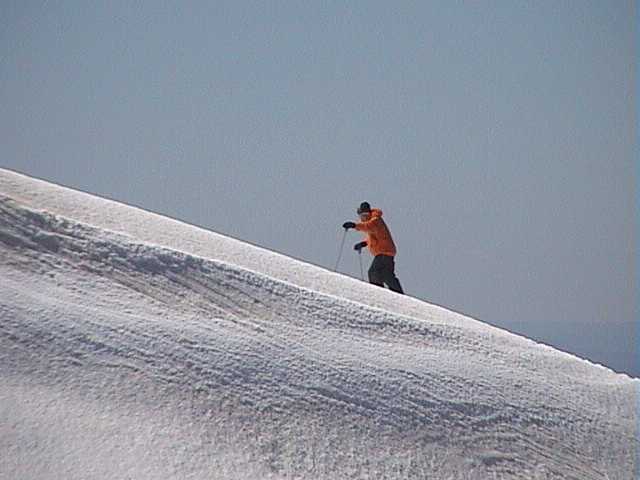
(136, 346)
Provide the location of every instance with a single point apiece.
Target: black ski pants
(382, 271)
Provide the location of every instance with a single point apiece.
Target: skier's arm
(368, 226)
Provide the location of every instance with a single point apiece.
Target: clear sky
(499, 138)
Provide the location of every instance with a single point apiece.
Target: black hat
(364, 207)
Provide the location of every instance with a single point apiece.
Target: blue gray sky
(499, 138)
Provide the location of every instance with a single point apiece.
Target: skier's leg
(394, 284)
(375, 272)
(390, 276)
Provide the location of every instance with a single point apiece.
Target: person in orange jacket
(381, 246)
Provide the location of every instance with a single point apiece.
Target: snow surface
(136, 346)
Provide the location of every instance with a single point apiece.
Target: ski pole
(361, 272)
(344, 237)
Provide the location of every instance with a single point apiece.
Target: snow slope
(136, 346)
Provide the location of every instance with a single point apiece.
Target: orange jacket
(379, 239)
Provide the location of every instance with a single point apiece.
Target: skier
(380, 245)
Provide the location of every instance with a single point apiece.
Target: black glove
(348, 225)
(359, 246)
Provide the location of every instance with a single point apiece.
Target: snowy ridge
(124, 358)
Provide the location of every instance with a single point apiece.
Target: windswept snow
(136, 346)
